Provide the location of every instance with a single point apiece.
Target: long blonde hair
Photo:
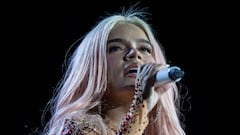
(85, 80)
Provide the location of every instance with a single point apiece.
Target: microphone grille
(176, 74)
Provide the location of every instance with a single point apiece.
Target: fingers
(147, 73)
(150, 91)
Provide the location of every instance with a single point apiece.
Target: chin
(130, 82)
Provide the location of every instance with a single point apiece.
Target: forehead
(127, 31)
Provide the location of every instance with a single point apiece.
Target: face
(127, 48)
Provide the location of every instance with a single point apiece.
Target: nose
(132, 54)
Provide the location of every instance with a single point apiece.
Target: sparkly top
(133, 123)
(89, 125)
(82, 125)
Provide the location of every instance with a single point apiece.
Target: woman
(109, 86)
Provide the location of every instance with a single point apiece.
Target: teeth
(132, 70)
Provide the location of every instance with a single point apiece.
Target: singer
(110, 85)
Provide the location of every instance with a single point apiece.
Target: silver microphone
(169, 74)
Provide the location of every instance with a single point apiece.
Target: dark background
(45, 30)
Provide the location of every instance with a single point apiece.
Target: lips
(131, 70)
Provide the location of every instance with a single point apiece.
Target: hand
(151, 89)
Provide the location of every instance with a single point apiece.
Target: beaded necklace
(130, 117)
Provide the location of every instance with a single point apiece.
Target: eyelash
(146, 49)
(116, 48)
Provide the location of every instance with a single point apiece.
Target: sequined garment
(81, 125)
(134, 122)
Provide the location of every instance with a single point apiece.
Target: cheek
(113, 60)
(149, 59)
(112, 64)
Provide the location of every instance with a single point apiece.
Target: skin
(128, 45)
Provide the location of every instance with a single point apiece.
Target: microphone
(169, 74)
(166, 75)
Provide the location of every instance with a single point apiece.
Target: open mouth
(131, 70)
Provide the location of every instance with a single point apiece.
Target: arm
(145, 99)
(136, 119)
(134, 124)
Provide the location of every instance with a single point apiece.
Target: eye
(114, 49)
(146, 49)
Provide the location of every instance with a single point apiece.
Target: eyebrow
(140, 40)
